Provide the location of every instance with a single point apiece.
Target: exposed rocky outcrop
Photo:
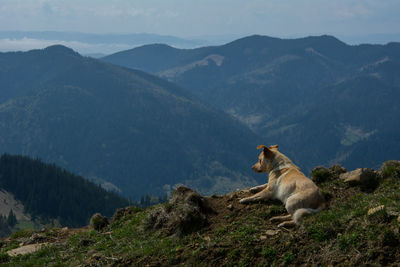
(368, 179)
(186, 212)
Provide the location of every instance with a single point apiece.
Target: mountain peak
(60, 49)
(326, 38)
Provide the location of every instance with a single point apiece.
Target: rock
(98, 221)
(263, 237)
(25, 249)
(378, 214)
(272, 232)
(361, 176)
(372, 211)
(230, 207)
(36, 238)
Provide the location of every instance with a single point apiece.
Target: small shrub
(98, 221)
(320, 174)
(391, 168)
(4, 257)
(22, 233)
(337, 170)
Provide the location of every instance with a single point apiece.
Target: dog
(300, 195)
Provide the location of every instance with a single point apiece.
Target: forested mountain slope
(113, 124)
(50, 192)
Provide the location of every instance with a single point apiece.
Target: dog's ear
(274, 147)
(265, 149)
(261, 146)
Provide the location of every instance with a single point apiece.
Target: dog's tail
(301, 213)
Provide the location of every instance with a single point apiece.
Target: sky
(377, 20)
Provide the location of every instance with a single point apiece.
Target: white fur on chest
(282, 191)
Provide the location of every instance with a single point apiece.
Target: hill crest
(360, 227)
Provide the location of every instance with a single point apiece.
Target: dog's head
(265, 159)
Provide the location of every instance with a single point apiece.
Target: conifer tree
(11, 219)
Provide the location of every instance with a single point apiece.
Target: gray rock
(360, 176)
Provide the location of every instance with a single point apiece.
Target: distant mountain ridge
(113, 124)
(322, 100)
(90, 43)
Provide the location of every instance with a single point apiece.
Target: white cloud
(26, 44)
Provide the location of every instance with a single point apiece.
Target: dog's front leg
(265, 194)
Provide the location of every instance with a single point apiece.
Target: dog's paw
(244, 201)
(255, 190)
(287, 224)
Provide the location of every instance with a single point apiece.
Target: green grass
(22, 233)
(22, 225)
(347, 225)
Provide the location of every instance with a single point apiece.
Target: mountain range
(90, 43)
(126, 129)
(321, 100)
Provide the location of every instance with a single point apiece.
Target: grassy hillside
(359, 227)
(112, 124)
(323, 100)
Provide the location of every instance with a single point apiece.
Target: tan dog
(288, 184)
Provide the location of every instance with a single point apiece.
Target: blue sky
(200, 18)
(187, 18)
